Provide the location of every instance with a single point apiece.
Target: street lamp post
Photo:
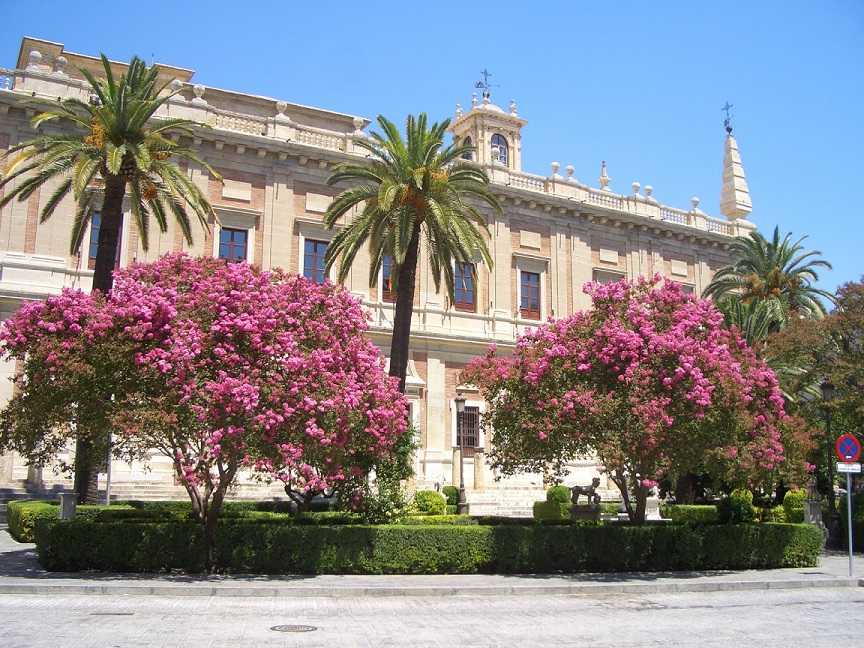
(462, 505)
(827, 396)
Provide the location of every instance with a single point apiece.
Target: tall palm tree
(410, 188)
(777, 269)
(113, 146)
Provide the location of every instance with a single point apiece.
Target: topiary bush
(691, 513)
(451, 493)
(430, 502)
(737, 508)
(559, 494)
(249, 547)
(772, 514)
(551, 512)
(793, 505)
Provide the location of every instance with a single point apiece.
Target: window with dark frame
(468, 155)
(499, 142)
(468, 427)
(388, 294)
(313, 260)
(529, 295)
(232, 244)
(465, 287)
(93, 247)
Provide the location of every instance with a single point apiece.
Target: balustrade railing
(605, 199)
(319, 138)
(675, 216)
(337, 141)
(240, 123)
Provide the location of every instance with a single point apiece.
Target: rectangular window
(529, 295)
(466, 295)
(313, 260)
(687, 289)
(468, 428)
(93, 247)
(605, 276)
(387, 293)
(232, 244)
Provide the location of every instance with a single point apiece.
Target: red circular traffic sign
(848, 448)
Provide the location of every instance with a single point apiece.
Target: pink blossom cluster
(650, 379)
(259, 369)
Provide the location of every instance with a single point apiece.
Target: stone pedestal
(68, 502)
(585, 513)
(652, 509)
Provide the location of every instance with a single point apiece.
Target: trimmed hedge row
(244, 547)
(22, 515)
(691, 513)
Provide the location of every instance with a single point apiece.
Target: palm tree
(113, 147)
(410, 188)
(778, 269)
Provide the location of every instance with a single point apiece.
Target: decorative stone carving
(176, 86)
(555, 166)
(695, 202)
(60, 66)
(358, 127)
(513, 108)
(648, 197)
(636, 186)
(199, 99)
(473, 99)
(281, 107)
(570, 170)
(604, 177)
(459, 112)
(34, 61)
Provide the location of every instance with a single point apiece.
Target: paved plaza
(785, 618)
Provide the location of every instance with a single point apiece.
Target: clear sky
(639, 85)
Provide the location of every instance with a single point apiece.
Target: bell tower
(495, 134)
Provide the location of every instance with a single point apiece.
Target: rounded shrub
(558, 494)
(430, 502)
(793, 505)
(452, 495)
(737, 508)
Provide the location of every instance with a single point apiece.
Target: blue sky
(639, 85)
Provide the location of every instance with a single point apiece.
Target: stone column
(456, 467)
(479, 470)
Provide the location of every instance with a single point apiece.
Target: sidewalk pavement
(20, 573)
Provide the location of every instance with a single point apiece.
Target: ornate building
(555, 234)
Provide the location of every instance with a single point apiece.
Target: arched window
(468, 155)
(499, 149)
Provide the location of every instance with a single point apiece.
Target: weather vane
(484, 84)
(728, 121)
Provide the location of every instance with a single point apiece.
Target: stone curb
(581, 589)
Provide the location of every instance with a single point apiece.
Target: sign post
(848, 450)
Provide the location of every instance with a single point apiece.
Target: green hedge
(551, 511)
(243, 547)
(22, 515)
(452, 495)
(793, 505)
(691, 513)
(431, 502)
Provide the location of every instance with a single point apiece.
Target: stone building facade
(555, 234)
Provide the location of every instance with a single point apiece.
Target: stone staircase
(508, 502)
(19, 490)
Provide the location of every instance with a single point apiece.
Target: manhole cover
(293, 628)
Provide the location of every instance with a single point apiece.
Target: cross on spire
(484, 83)
(727, 123)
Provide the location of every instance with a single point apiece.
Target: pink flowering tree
(650, 381)
(223, 367)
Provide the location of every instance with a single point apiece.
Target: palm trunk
(111, 220)
(404, 310)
